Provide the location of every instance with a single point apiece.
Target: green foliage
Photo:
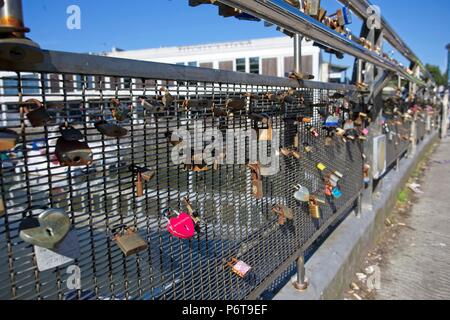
(439, 77)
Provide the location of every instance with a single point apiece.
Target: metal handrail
(76, 63)
(286, 16)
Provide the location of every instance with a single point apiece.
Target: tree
(439, 78)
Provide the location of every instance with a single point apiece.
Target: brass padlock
(8, 139)
(110, 129)
(284, 213)
(167, 99)
(128, 240)
(314, 209)
(2, 207)
(38, 116)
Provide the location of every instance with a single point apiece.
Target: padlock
(328, 141)
(257, 186)
(174, 140)
(295, 75)
(73, 153)
(110, 129)
(336, 192)
(331, 122)
(46, 231)
(119, 111)
(301, 194)
(180, 225)
(194, 214)
(312, 8)
(294, 3)
(198, 105)
(321, 166)
(2, 207)
(263, 128)
(328, 190)
(8, 139)
(70, 133)
(236, 105)
(314, 209)
(239, 267)
(128, 240)
(145, 173)
(314, 132)
(167, 99)
(38, 116)
(151, 105)
(284, 213)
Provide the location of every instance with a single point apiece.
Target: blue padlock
(336, 193)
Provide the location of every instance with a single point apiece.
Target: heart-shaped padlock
(46, 231)
(181, 226)
(302, 194)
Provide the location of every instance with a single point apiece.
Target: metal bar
(360, 7)
(298, 53)
(286, 16)
(75, 63)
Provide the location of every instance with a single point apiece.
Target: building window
(206, 65)
(226, 65)
(126, 83)
(180, 63)
(270, 67)
(240, 65)
(192, 64)
(254, 65)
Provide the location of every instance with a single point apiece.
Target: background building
(269, 56)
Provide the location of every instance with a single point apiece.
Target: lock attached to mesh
(128, 240)
(143, 174)
(257, 186)
(179, 224)
(36, 112)
(70, 151)
(110, 129)
(8, 139)
(239, 267)
(314, 208)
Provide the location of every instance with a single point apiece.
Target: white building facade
(270, 56)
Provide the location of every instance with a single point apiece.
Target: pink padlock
(180, 226)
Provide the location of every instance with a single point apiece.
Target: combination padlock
(119, 111)
(239, 267)
(128, 240)
(48, 230)
(8, 139)
(180, 225)
(110, 129)
(36, 112)
(257, 187)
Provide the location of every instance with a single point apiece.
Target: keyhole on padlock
(77, 159)
(49, 232)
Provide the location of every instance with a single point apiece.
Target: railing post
(298, 53)
(301, 283)
(444, 120)
(14, 46)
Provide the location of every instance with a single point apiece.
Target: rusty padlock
(128, 240)
(73, 153)
(110, 129)
(36, 112)
(257, 186)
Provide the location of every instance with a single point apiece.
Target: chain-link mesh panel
(99, 196)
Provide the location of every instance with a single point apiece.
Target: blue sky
(136, 24)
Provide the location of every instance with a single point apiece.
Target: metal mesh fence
(99, 196)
